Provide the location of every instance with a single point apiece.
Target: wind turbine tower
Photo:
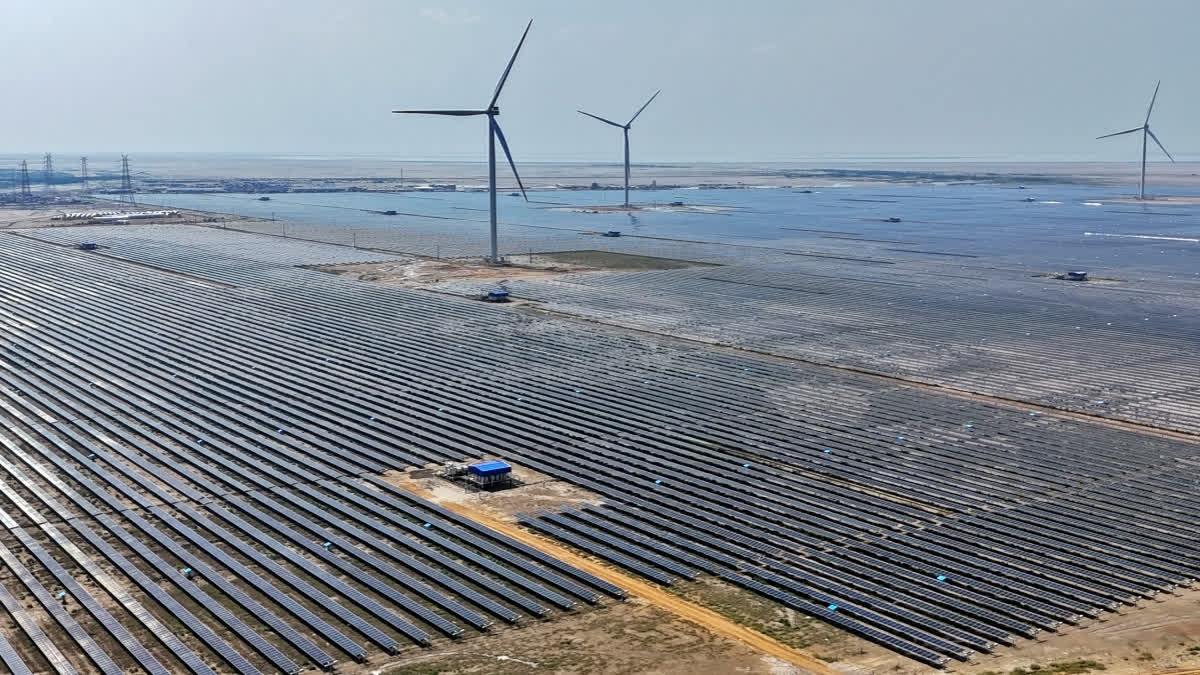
(1146, 134)
(625, 129)
(492, 111)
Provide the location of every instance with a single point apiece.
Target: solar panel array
(220, 439)
(206, 512)
(1120, 350)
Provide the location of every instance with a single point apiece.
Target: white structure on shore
(113, 216)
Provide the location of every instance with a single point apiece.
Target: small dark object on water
(893, 219)
(676, 203)
(1072, 276)
(612, 233)
(514, 194)
(1030, 199)
(264, 199)
(805, 192)
(389, 212)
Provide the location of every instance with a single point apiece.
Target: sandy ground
(537, 491)
(1158, 635)
(623, 637)
(416, 272)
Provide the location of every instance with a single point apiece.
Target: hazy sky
(745, 80)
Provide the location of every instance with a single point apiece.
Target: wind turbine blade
(1160, 145)
(639, 112)
(500, 84)
(453, 113)
(620, 126)
(511, 163)
(1119, 133)
(1152, 99)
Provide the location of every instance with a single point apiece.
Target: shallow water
(969, 223)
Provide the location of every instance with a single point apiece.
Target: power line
(25, 191)
(126, 181)
(48, 170)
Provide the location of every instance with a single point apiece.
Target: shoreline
(227, 166)
(302, 177)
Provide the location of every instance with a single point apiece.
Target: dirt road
(680, 607)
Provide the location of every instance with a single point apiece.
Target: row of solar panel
(665, 453)
(98, 462)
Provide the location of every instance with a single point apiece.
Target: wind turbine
(494, 132)
(624, 128)
(1145, 129)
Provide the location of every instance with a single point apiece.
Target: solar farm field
(197, 431)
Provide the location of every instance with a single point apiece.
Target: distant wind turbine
(494, 132)
(625, 128)
(1145, 129)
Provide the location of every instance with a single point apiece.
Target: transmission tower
(25, 192)
(83, 176)
(48, 169)
(126, 181)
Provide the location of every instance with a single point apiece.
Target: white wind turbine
(494, 132)
(625, 129)
(1145, 129)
